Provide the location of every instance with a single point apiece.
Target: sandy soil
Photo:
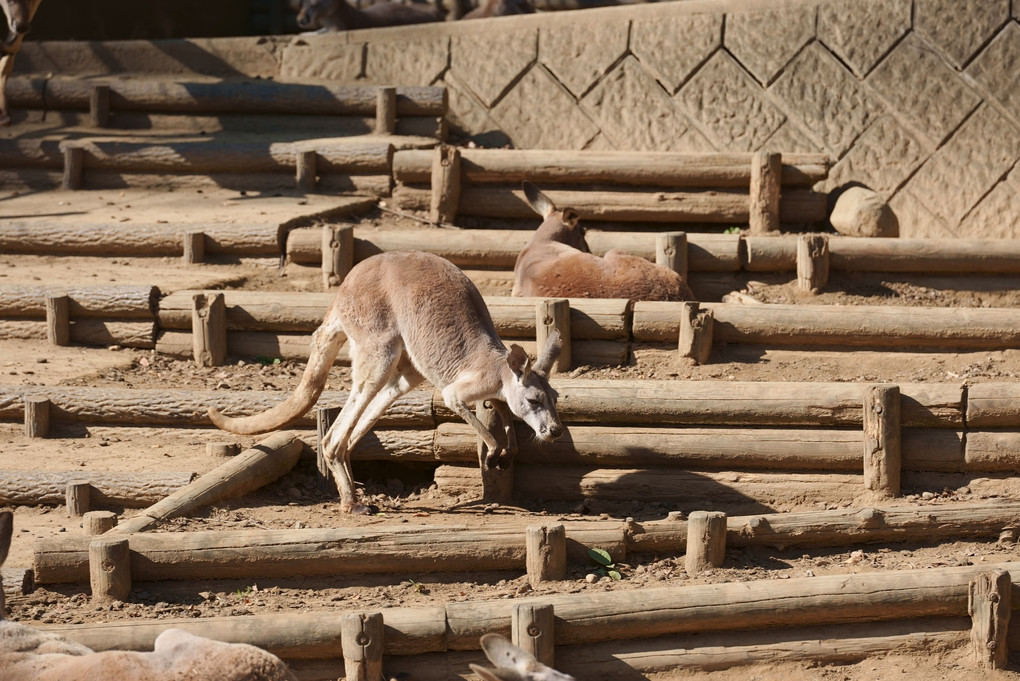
(405, 495)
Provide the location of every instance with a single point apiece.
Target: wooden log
(993, 405)
(663, 169)
(497, 478)
(28, 487)
(222, 448)
(990, 605)
(227, 96)
(306, 171)
(853, 326)
(98, 522)
(78, 496)
(385, 110)
(337, 254)
(120, 302)
(766, 173)
(500, 247)
(96, 332)
(553, 314)
(194, 248)
(706, 541)
(533, 631)
(671, 252)
(99, 105)
(324, 419)
(74, 167)
(695, 333)
(109, 569)
(246, 472)
(812, 262)
(546, 554)
(883, 461)
(361, 638)
(37, 416)
(446, 184)
(153, 239)
(991, 450)
(58, 320)
(209, 329)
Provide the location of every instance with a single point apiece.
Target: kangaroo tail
(326, 343)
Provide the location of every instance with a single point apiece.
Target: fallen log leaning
(132, 490)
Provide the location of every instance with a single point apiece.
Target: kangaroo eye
(534, 403)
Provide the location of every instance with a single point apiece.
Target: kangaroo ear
(553, 345)
(504, 654)
(539, 201)
(519, 361)
(570, 217)
(496, 674)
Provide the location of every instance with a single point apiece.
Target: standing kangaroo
(19, 19)
(408, 317)
(337, 15)
(556, 262)
(28, 654)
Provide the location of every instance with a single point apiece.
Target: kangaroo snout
(552, 432)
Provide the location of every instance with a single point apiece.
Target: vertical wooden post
(706, 541)
(209, 329)
(546, 553)
(554, 313)
(37, 416)
(696, 326)
(766, 174)
(671, 252)
(497, 483)
(882, 460)
(324, 418)
(99, 105)
(990, 606)
(109, 569)
(307, 171)
(74, 158)
(58, 319)
(194, 248)
(361, 640)
(98, 522)
(337, 254)
(532, 629)
(78, 496)
(222, 448)
(445, 184)
(385, 111)
(812, 262)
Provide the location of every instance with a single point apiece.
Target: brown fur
(513, 663)
(500, 8)
(556, 262)
(27, 654)
(19, 15)
(411, 317)
(337, 15)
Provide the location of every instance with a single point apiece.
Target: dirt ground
(404, 495)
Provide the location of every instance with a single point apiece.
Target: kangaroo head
(557, 225)
(529, 396)
(513, 664)
(6, 532)
(18, 21)
(321, 14)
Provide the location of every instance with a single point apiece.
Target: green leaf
(600, 556)
(615, 575)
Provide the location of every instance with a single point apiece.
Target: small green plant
(418, 586)
(732, 230)
(262, 359)
(606, 566)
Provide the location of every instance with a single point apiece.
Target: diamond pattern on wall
(860, 33)
(997, 70)
(412, 63)
(633, 111)
(882, 158)
(487, 62)
(765, 41)
(325, 59)
(997, 217)
(730, 105)
(539, 114)
(927, 94)
(671, 48)
(826, 98)
(580, 55)
(959, 40)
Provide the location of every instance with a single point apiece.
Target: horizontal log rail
(223, 96)
(133, 490)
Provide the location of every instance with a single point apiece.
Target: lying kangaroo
(557, 262)
(411, 316)
(337, 15)
(27, 654)
(500, 8)
(513, 664)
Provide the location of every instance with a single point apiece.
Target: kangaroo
(27, 654)
(500, 8)
(513, 664)
(19, 20)
(408, 317)
(556, 261)
(337, 15)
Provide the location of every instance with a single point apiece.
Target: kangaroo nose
(555, 431)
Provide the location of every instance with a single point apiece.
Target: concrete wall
(918, 99)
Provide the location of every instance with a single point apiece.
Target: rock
(861, 212)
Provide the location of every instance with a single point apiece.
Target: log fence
(599, 635)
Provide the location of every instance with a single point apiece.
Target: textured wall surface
(918, 99)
